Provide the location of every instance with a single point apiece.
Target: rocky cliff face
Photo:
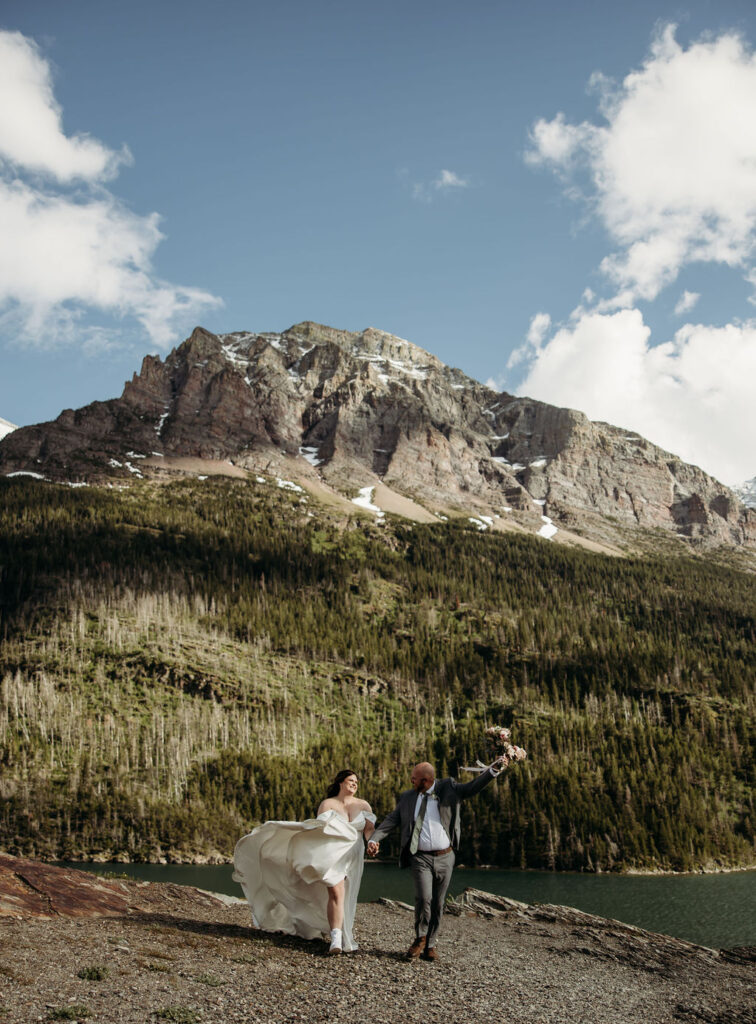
(356, 409)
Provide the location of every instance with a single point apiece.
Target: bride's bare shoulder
(363, 805)
(329, 804)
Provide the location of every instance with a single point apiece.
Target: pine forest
(181, 661)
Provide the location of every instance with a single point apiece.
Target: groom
(428, 815)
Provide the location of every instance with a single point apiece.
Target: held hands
(372, 848)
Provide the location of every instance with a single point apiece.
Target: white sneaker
(336, 941)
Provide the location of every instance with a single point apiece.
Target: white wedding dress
(285, 868)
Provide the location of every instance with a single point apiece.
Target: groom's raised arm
(467, 789)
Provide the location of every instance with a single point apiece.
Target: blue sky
(458, 175)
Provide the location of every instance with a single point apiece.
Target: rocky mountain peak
(352, 410)
(364, 344)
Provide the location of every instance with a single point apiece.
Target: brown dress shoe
(416, 948)
(430, 954)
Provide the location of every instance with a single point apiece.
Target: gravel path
(522, 966)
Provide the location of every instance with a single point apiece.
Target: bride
(302, 877)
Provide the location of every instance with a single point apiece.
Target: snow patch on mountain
(311, 454)
(548, 529)
(365, 500)
(289, 485)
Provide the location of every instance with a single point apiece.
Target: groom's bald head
(423, 776)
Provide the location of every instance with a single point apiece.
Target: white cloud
(672, 172)
(686, 302)
(540, 325)
(31, 132)
(558, 143)
(65, 254)
(443, 182)
(448, 179)
(539, 328)
(692, 395)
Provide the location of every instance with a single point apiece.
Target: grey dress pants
(431, 876)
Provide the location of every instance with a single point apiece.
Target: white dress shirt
(433, 835)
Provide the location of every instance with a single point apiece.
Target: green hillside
(181, 661)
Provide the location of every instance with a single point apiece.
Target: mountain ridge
(353, 410)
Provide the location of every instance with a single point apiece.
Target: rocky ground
(171, 953)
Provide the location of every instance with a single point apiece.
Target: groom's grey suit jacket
(450, 794)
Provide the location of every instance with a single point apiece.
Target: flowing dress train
(286, 867)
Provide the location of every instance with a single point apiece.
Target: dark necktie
(415, 840)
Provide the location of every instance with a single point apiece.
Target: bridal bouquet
(498, 739)
(497, 742)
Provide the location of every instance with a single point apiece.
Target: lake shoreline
(210, 861)
(625, 872)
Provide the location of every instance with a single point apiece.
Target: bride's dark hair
(333, 789)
